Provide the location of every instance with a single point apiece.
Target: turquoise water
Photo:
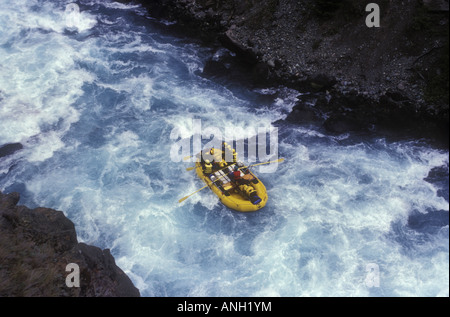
(94, 98)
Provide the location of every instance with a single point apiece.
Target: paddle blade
(190, 168)
(186, 197)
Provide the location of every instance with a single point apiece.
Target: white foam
(76, 20)
(48, 17)
(119, 5)
(316, 196)
(44, 150)
(40, 78)
(332, 210)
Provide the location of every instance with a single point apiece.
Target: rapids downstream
(94, 94)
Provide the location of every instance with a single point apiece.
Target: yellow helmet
(212, 151)
(207, 162)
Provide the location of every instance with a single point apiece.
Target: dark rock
(341, 123)
(9, 201)
(221, 64)
(430, 222)
(437, 177)
(214, 67)
(395, 96)
(322, 82)
(8, 218)
(304, 113)
(436, 5)
(383, 80)
(9, 149)
(227, 69)
(261, 72)
(48, 226)
(105, 273)
(228, 39)
(36, 246)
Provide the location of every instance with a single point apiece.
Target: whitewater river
(94, 96)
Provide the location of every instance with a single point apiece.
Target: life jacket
(251, 194)
(222, 164)
(248, 190)
(208, 168)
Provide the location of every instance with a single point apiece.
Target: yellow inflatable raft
(234, 194)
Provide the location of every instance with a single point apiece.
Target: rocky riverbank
(37, 245)
(391, 77)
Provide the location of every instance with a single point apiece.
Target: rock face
(37, 245)
(8, 149)
(326, 47)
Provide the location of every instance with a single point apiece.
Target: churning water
(93, 96)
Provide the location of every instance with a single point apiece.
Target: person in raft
(208, 167)
(236, 175)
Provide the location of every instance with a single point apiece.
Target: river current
(93, 92)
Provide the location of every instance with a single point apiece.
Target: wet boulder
(9, 149)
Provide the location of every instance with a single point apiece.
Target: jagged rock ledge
(393, 77)
(37, 245)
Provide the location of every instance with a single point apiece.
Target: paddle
(186, 197)
(276, 161)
